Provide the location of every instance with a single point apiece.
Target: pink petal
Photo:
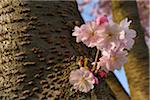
(101, 20)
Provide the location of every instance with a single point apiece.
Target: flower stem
(94, 66)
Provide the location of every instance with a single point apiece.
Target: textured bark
(137, 68)
(36, 51)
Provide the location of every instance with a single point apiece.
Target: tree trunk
(137, 68)
(36, 49)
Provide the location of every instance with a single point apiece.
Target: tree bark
(36, 49)
(116, 87)
(137, 68)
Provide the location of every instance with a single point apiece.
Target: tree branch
(137, 68)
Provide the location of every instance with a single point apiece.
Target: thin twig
(94, 66)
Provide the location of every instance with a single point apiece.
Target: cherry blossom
(116, 35)
(109, 37)
(88, 33)
(77, 33)
(113, 60)
(101, 20)
(82, 79)
(104, 7)
(112, 39)
(129, 34)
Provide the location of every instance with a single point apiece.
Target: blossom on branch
(112, 60)
(129, 34)
(82, 79)
(90, 33)
(87, 33)
(112, 39)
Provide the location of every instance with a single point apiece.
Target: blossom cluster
(112, 39)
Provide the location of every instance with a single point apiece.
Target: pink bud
(96, 80)
(101, 20)
(102, 74)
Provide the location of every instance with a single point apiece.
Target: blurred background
(90, 9)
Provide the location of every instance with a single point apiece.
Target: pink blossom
(77, 33)
(129, 34)
(112, 60)
(88, 33)
(110, 37)
(101, 20)
(82, 79)
(116, 35)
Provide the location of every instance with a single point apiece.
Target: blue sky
(119, 73)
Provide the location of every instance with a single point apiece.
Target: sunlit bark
(137, 68)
